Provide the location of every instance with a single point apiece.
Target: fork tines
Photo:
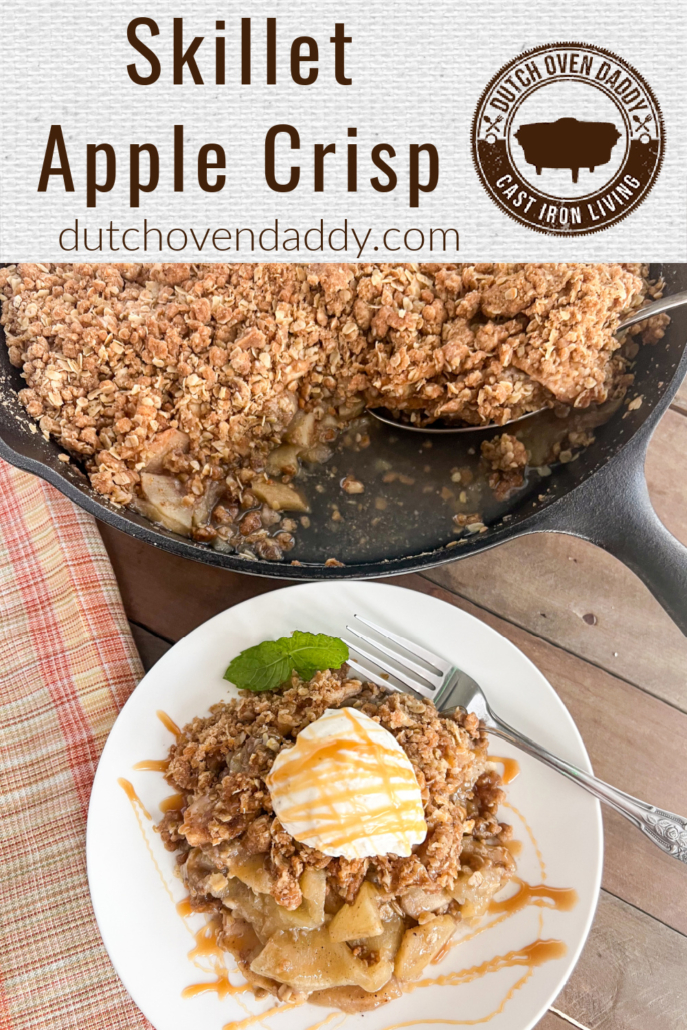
(423, 681)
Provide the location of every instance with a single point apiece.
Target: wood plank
(631, 974)
(635, 870)
(549, 583)
(634, 741)
(680, 398)
(552, 1021)
(581, 599)
(169, 595)
(665, 473)
(150, 647)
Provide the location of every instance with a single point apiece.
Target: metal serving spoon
(450, 688)
(656, 308)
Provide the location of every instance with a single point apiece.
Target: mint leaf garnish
(262, 667)
(311, 652)
(267, 665)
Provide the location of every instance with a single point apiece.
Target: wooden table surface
(618, 663)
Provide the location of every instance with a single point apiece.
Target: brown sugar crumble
(230, 844)
(507, 459)
(194, 392)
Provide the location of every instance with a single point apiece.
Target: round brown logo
(568, 139)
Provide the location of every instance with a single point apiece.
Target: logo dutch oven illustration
(568, 139)
(568, 143)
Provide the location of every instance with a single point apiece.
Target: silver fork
(450, 688)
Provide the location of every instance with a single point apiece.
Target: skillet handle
(612, 509)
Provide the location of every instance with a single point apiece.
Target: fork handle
(665, 829)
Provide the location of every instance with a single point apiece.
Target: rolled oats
(117, 356)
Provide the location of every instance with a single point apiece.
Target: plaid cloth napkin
(67, 665)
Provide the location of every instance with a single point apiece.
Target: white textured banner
(409, 132)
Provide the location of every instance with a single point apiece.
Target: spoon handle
(675, 300)
(667, 830)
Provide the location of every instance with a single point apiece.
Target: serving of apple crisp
(195, 393)
(307, 923)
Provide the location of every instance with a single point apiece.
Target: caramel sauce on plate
(139, 808)
(562, 899)
(531, 956)
(514, 846)
(534, 954)
(530, 834)
(284, 1008)
(259, 1016)
(152, 765)
(159, 764)
(222, 986)
(133, 797)
(511, 768)
(169, 723)
(208, 948)
(183, 907)
(174, 803)
(206, 941)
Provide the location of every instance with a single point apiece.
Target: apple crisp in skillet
(195, 392)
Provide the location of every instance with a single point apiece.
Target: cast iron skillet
(601, 496)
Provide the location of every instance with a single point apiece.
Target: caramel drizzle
(206, 945)
(531, 956)
(152, 765)
(560, 899)
(508, 909)
(534, 954)
(139, 807)
(133, 797)
(206, 941)
(470, 1022)
(250, 1020)
(208, 948)
(296, 772)
(222, 986)
(169, 723)
(183, 907)
(511, 768)
(174, 803)
(327, 1020)
(530, 834)
(160, 764)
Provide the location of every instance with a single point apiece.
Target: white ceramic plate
(131, 876)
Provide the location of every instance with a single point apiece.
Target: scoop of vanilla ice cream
(347, 788)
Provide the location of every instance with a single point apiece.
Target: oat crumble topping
(196, 372)
(507, 458)
(227, 825)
